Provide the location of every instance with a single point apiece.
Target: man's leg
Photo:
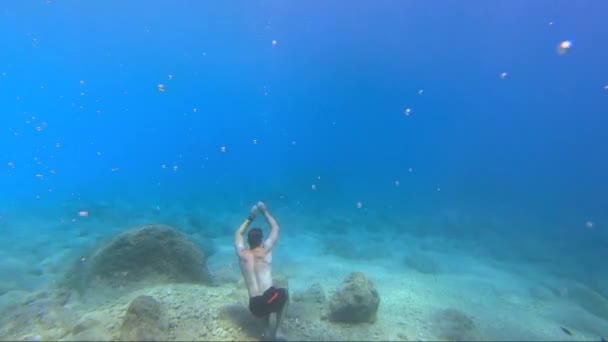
(266, 320)
(280, 316)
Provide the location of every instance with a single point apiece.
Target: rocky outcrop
(356, 301)
(147, 255)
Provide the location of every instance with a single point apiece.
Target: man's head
(254, 237)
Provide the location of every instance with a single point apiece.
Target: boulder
(146, 320)
(356, 301)
(151, 254)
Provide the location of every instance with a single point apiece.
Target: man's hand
(253, 213)
(262, 207)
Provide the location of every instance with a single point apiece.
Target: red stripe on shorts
(274, 296)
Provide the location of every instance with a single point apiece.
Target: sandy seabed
(428, 291)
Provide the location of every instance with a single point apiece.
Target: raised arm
(239, 242)
(274, 227)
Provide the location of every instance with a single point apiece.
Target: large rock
(147, 255)
(146, 320)
(356, 301)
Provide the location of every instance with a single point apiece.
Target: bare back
(256, 266)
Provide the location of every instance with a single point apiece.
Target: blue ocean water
(511, 169)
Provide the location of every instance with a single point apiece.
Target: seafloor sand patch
(480, 303)
(441, 292)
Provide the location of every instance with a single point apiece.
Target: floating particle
(83, 213)
(99, 154)
(194, 110)
(35, 42)
(319, 177)
(564, 47)
(438, 189)
(397, 183)
(53, 172)
(503, 75)
(314, 187)
(293, 142)
(82, 93)
(359, 205)
(11, 165)
(175, 167)
(114, 169)
(163, 166)
(82, 82)
(408, 112)
(274, 43)
(39, 176)
(550, 24)
(170, 77)
(589, 224)
(83, 259)
(223, 149)
(39, 128)
(161, 88)
(409, 169)
(157, 208)
(606, 87)
(255, 141)
(420, 91)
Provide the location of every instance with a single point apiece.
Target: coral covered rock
(356, 301)
(147, 255)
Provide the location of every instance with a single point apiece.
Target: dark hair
(254, 237)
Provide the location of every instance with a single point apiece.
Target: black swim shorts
(272, 300)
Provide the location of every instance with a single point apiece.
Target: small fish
(566, 331)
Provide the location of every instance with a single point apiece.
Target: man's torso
(256, 269)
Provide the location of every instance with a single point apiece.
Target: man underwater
(256, 267)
